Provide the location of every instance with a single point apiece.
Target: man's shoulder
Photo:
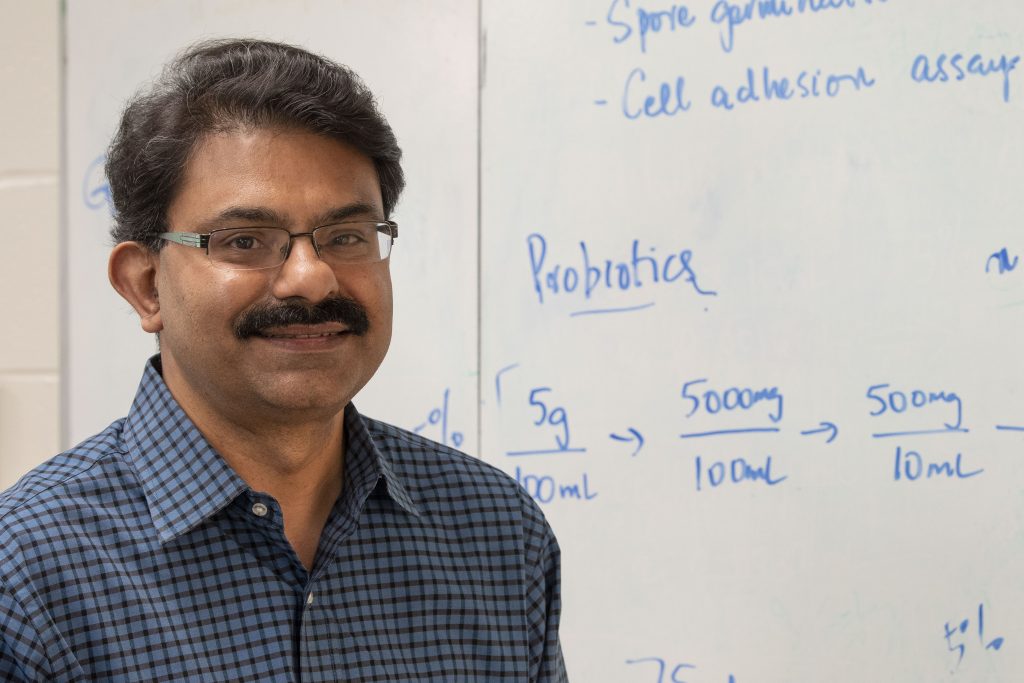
(440, 472)
(405, 449)
(48, 488)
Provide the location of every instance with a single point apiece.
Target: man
(244, 522)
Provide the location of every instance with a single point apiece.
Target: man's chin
(311, 390)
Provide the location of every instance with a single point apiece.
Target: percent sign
(439, 417)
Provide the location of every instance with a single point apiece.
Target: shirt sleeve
(20, 656)
(544, 607)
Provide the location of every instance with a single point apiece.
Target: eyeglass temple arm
(189, 239)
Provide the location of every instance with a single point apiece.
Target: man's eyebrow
(356, 209)
(256, 215)
(260, 215)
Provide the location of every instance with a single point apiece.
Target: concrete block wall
(30, 49)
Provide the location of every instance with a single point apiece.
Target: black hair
(224, 85)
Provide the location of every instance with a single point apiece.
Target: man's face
(273, 178)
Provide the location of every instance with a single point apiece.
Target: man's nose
(304, 274)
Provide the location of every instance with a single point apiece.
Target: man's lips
(304, 331)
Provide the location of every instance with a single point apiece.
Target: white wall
(29, 204)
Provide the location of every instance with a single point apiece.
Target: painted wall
(29, 203)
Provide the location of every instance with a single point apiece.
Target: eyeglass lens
(251, 248)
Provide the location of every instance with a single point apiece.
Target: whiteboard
(420, 62)
(771, 526)
(745, 288)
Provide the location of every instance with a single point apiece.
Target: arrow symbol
(825, 427)
(633, 436)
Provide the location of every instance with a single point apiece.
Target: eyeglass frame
(201, 240)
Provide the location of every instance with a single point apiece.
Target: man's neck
(301, 468)
(299, 463)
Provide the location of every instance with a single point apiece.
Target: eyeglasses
(256, 248)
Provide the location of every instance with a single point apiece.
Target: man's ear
(132, 270)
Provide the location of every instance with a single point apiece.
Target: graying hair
(224, 85)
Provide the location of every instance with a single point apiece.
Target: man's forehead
(264, 176)
(260, 142)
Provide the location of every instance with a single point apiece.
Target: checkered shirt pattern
(140, 555)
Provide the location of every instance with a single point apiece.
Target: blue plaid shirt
(140, 555)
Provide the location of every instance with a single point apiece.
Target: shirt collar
(366, 467)
(186, 481)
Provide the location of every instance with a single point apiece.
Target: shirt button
(259, 509)
(309, 598)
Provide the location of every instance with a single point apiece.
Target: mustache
(259, 317)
